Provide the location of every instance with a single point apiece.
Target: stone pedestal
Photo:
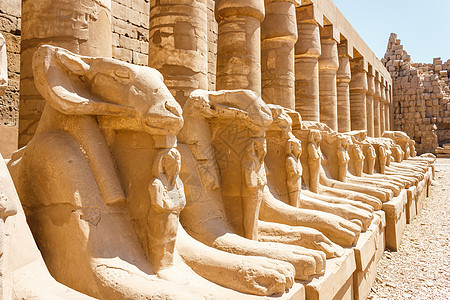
(395, 220)
(358, 90)
(278, 37)
(422, 188)
(296, 292)
(369, 103)
(411, 210)
(239, 44)
(368, 252)
(337, 282)
(328, 66)
(178, 45)
(344, 76)
(83, 27)
(307, 52)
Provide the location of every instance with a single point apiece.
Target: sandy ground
(421, 267)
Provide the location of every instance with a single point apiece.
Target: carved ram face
(126, 95)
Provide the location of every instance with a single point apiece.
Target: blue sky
(422, 26)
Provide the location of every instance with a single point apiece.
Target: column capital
(345, 48)
(329, 32)
(308, 14)
(371, 71)
(377, 95)
(383, 90)
(279, 22)
(359, 68)
(251, 8)
(359, 64)
(370, 81)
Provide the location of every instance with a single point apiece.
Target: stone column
(382, 105)
(307, 52)
(239, 44)
(387, 109)
(328, 66)
(278, 37)
(82, 27)
(344, 76)
(376, 106)
(358, 90)
(369, 101)
(178, 45)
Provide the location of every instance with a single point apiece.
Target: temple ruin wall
(421, 97)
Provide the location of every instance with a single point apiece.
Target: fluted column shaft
(376, 107)
(239, 44)
(369, 102)
(328, 66)
(87, 31)
(358, 90)
(343, 78)
(307, 52)
(278, 37)
(178, 45)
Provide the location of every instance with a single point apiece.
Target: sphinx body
(102, 172)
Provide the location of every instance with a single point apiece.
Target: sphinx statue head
(123, 96)
(111, 126)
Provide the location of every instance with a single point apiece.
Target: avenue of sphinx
(139, 183)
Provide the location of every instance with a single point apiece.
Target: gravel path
(421, 267)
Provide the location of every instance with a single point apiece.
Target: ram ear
(60, 76)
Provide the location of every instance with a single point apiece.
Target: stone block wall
(130, 30)
(10, 11)
(421, 97)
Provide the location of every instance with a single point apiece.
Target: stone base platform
(297, 292)
(337, 282)
(368, 252)
(422, 191)
(444, 151)
(395, 220)
(411, 208)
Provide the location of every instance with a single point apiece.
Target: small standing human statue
(382, 158)
(412, 148)
(253, 184)
(294, 170)
(315, 159)
(358, 159)
(167, 200)
(343, 158)
(370, 159)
